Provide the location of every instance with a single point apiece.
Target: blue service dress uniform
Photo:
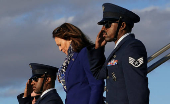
(50, 97)
(82, 87)
(125, 71)
(22, 100)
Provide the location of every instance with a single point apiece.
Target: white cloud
(12, 90)
(58, 22)
(148, 9)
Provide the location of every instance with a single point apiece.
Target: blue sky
(26, 28)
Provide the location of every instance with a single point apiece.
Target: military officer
(42, 82)
(125, 70)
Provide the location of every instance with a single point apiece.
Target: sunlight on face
(62, 44)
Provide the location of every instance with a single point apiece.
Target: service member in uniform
(27, 91)
(42, 82)
(125, 70)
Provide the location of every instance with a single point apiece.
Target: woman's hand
(58, 78)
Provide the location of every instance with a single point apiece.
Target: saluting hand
(28, 88)
(58, 78)
(100, 40)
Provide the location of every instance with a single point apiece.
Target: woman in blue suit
(74, 74)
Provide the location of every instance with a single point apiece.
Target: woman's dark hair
(68, 31)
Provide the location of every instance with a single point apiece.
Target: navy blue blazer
(125, 71)
(82, 87)
(50, 97)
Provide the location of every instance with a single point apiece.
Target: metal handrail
(161, 61)
(158, 63)
(159, 52)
